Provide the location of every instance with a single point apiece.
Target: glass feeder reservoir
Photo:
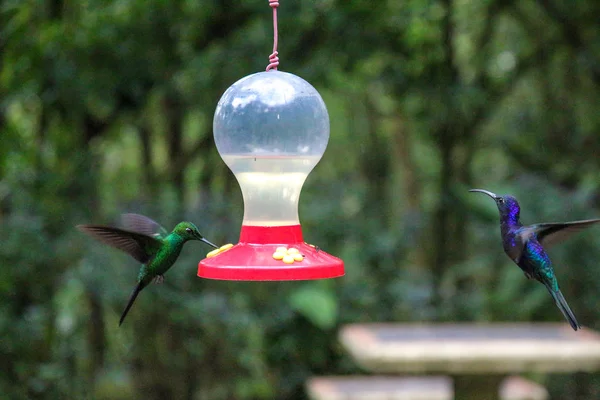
(271, 129)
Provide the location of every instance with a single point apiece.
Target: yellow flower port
(288, 256)
(220, 250)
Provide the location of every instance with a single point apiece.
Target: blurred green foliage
(106, 107)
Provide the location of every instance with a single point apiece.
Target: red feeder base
(252, 258)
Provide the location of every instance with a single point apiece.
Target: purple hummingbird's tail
(564, 308)
(132, 298)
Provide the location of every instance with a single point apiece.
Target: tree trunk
(174, 115)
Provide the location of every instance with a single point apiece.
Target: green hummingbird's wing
(554, 232)
(144, 225)
(139, 246)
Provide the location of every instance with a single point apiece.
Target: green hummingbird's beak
(492, 195)
(208, 243)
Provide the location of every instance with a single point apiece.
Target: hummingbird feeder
(271, 128)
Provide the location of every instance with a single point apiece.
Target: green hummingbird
(147, 242)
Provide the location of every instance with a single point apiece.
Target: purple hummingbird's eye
(500, 200)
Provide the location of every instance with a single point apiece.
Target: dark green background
(107, 106)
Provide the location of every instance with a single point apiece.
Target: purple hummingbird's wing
(144, 225)
(554, 232)
(139, 246)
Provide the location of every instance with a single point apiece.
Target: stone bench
(410, 388)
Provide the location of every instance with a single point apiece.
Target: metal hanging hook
(273, 59)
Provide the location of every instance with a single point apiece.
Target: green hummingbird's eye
(188, 230)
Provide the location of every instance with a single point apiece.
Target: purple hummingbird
(525, 245)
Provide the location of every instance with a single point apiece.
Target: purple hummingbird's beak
(492, 195)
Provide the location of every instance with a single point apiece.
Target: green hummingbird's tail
(564, 308)
(132, 298)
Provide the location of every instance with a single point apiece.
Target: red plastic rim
(252, 258)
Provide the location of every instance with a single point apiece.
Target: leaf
(317, 304)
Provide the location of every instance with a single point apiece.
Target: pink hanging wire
(273, 59)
